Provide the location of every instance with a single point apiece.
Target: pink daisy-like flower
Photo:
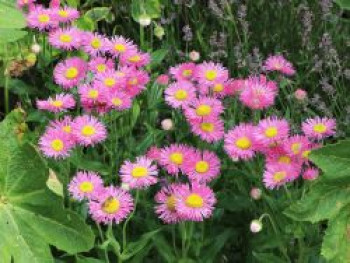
(202, 167)
(235, 86)
(162, 79)
(118, 100)
(209, 130)
(240, 142)
(100, 64)
(319, 128)
(134, 58)
(85, 185)
(42, 19)
(136, 81)
(217, 90)
(184, 71)
(195, 203)
(88, 130)
(59, 103)
(91, 96)
(94, 44)
(203, 108)
(258, 93)
(65, 38)
(172, 157)
(153, 153)
(179, 94)
(209, 73)
(70, 72)
(166, 204)
(271, 130)
(310, 173)
(64, 125)
(296, 145)
(66, 14)
(24, 3)
(111, 79)
(277, 175)
(119, 45)
(111, 204)
(55, 3)
(55, 144)
(139, 174)
(279, 63)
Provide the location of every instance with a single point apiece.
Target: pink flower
(70, 72)
(42, 19)
(310, 173)
(88, 130)
(134, 58)
(271, 130)
(295, 145)
(55, 144)
(166, 204)
(110, 79)
(91, 96)
(235, 86)
(66, 39)
(54, 3)
(153, 153)
(179, 94)
(240, 142)
(139, 174)
(118, 100)
(100, 64)
(258, 93)
(66, 14)
(64, 125)
(162, 79)
(94, 44)
(119, 45)
(300, 94)
(208, 73)
(209, 130)
(24, 3)
(277, 175)
(195, 203)
(111, 205)
(184, 71)
(172, 157)
(85, 185)
(319, 128)
(202, 167)
(59, 103)
(136, 82)
(279, 63)
(203, 108)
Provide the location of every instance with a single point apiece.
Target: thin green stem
(128, 219)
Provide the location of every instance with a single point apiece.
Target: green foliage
(150, 8)
(31, 216)
(343, 4)
(329, 199)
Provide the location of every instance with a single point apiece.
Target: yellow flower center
(71, 73)
(211, 75)
(109, 82)
(271, 132)
(101, 68)
(44, 18)
(203, 110)
(176, 158)
(135, 58)
(111, 205)
(306, 154)
(187, 72)
(139, 171)
(320, 128)
(171, 202)
(95, 43)
(65, 38)
(57, 145)
(243, 143)
(284, 159)
(207, 127)
(93, 94)
(194, 201)
(67, 129)
(202, 167)
(117, 101)
(296, 147)
(86, 187)
(277, 65)
(133, 81)
(63, 13)
(181, 94)
(88, 130)
(279, 176)
(57, 103)
(120, 48)
(218, 87)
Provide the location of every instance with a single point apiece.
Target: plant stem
(128, 219)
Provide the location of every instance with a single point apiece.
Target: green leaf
(31, 216)
(157, 57)
(210, 253)
(267, 258)
(73, 3)
(336, 242)
(8, 35)
(98, 13)
(150, 7)
(10, 17)
(343, 4)
(82, 259)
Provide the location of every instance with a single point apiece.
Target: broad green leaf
(150, 7)
(336, 242)
(73, 3)
(157, 57)
(343, 4)
(8, 35)
(10, 17)
(82, 259)
(31, 216)
(320, 203)
(98, 13)
(211, 252)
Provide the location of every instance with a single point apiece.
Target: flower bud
(194, 55)
(163, 79)
(255, 193)
(300, 94)
(256, 226)
(36, 48)
(145, 20)
(159, 32)
(167, 124)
